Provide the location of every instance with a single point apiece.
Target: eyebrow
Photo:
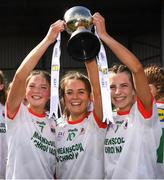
(77, 89)
(124, 83)
(119, 84)
(33, 83)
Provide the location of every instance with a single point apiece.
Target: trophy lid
(75, 15)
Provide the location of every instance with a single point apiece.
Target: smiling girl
(133, 137)
(30, 133)
(80, 133)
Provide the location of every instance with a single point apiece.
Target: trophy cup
(83, 45)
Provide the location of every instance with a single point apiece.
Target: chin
(121, 108)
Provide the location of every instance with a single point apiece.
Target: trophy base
(83, 45)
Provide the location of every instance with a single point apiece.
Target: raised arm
(17, 90)
(128, 59)
(92, 70)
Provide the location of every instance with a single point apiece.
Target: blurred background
(138, 24)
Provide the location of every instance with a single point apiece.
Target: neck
(160, 99)
(74, 117)
(36, 110)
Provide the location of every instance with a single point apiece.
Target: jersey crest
(161, 114)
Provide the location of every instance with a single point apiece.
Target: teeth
(36, 97)
(119, 98)
(75, 104)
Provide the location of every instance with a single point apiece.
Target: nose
(37, 89)
(75, 95)
(117, 90)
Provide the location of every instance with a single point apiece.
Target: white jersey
(3, 148)
(80, 148)
(31, 146)
(131, 143)
(160, 150)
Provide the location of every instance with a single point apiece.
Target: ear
(1, 86)
(153, 89)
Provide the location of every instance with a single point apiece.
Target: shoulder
(160, 105)
(93, 119)
(21, 111)
(60, 122)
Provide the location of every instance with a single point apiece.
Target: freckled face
(76, 98)
(37, 92)
(122, 92)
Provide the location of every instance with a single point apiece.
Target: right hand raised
(54, 30)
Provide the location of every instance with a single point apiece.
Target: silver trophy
(83, 45)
